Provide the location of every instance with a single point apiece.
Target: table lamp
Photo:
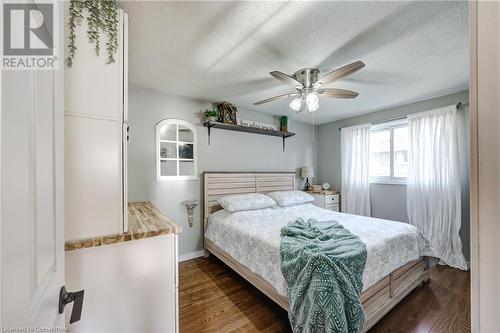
(306, 172)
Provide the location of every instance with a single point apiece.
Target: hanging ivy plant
(102, 18)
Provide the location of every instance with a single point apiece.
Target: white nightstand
(327, 201)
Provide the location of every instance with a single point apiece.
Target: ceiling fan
(309, 87)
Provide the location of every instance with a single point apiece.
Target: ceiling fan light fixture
(312, 98)
(312, 107)
(296, 104)
(309, 86)
(312, 101)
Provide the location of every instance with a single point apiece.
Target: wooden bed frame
(377, 300)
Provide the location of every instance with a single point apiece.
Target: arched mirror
(176, 156)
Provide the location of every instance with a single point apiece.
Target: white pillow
(250, 201)
(291, 198)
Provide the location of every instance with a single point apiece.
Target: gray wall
(229, 151)
(389, 201)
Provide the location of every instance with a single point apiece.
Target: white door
(31, 198)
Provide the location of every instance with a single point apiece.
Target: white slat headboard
(220, 184)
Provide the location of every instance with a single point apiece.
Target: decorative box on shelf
(327, 199)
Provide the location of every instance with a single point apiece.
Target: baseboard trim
(192, 255)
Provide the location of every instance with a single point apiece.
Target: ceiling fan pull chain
(314, 141)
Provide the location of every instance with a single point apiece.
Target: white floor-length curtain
(355, 155)
(433, 198)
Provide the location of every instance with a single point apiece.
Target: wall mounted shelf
(239, 128)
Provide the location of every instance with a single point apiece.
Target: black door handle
(77, 298)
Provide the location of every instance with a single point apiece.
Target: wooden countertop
(144, 220)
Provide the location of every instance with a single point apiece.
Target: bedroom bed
(248, 242)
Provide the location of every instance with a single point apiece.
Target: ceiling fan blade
(337, 93)
(339, 73)
(275, 98)
(286, 79)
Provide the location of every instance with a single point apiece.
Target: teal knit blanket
(322, 263)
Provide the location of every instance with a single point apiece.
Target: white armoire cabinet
(130, 279)
(95, 114)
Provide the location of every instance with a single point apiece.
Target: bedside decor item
(211, 115)
(190, 206)
(227, 112)
(326, 186)
(315, 188)
(306, 172)
(284, 124)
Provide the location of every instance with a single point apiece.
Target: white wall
(229, 151)
(389, 201)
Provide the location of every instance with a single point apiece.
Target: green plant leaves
(102, 18)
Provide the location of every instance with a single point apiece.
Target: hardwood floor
(213, 298)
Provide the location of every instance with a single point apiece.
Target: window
(175, 150)
(389, 152)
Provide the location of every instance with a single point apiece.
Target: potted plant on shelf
(284, 124)
(211, 115)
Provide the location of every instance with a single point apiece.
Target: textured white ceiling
(214, 51)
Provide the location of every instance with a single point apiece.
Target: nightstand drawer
(327, 201)
(335, 207)
(331, 199)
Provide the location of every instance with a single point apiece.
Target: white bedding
(253, 239)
